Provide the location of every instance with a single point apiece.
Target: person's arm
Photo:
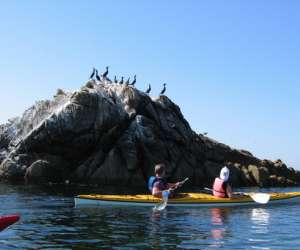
(156, 192)
(229, 191)
(174, 185)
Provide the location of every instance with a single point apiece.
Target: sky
(231, 66)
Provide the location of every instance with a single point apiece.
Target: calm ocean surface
(49, 220)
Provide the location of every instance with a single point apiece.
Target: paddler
(158, 184)
(221, 187)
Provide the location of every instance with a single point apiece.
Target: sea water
(49, 220)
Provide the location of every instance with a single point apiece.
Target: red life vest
(218, 188)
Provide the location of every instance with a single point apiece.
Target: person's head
(160, 170)
(224, 174)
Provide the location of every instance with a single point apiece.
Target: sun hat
(224, 174)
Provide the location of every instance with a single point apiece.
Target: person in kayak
(221, 187)
(158, 184)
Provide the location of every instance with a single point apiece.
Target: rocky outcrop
(115, 134)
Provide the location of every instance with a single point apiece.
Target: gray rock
(11, 170)
(115, 134)
(37, 170)
(260, 175)
(44, 170)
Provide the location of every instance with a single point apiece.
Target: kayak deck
(183, 199)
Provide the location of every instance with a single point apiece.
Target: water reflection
(218, 219)
(219, 215)
(260, 218)
(156, 225)
(50, 221)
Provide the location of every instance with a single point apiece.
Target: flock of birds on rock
(104, 77)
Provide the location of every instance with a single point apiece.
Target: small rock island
(110, 132)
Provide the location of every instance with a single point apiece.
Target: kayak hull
(8, 220)
(184, 200)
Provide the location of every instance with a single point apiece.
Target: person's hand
(178, 184)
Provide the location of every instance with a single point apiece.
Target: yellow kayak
(183, 199)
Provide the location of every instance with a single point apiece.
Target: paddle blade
(161, 206)
(261, 198)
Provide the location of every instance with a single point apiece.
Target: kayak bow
(8, 220)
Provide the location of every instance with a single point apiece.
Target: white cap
(224, 174)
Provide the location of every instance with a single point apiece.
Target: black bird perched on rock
(122, 80)
(105, 73)
(134, 81)
(115, 80)
(97, 76)
(205, 133)
(148, 90)
(164, 89)
(93, 73)
(108, 80)
(128, 80)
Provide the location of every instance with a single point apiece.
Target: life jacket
(219, 188)
(152, 180)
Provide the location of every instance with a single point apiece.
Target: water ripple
(50, 221)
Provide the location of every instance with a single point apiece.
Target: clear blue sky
(232, 66)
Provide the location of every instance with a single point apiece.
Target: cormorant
(97, 76)
(128, 80)
(105, 73)
(115, 80)
(164, 89)
(108, 80)
(134, 81)
(93, 73)
(148, 90)
(122, 80)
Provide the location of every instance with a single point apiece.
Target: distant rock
(115, 134)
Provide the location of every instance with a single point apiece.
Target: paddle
(261, 198)
(165, 196)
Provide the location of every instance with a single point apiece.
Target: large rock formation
(115, 134)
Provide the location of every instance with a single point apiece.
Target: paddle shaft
(184, 181)
(181, 183)
(261, 198)
(211, 190)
